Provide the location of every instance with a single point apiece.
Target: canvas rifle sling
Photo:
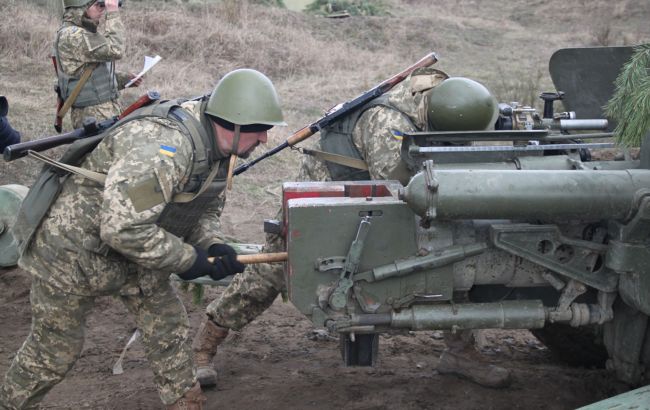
(337, 159)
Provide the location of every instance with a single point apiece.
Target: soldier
(156, 212)
(372, 134)
(78, 48)
(8, 135)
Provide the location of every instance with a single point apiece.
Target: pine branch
(630, 104)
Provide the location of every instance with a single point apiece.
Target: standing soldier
(8, 135)
(372, 134)
(145, 203)
(85, 60)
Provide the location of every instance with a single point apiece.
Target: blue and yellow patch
(167, 150)
(398, 135)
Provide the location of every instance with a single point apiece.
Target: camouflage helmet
(246, 97)
(76, 3)
(461, 104)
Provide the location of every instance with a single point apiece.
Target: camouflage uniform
(253, 291)
(79, 44)
(93, 242)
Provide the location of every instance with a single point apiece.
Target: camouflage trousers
(251, 292)
(57, 335)
(101, 112)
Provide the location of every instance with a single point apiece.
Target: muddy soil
(277, 363)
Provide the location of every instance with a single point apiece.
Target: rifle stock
(90, 129)
(58, 121)
(342, 110)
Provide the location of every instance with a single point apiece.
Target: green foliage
(630, 104)
(354, 7)
(197, 290)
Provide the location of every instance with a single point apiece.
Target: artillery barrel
(525, 194)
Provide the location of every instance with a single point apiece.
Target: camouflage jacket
(93, 241)
(79, 45)
(373, 133)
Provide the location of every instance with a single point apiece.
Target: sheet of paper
(148, 63)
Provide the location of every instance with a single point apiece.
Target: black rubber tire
(576, 346)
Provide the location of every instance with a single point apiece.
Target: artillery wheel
(576, 346)
(360, 352)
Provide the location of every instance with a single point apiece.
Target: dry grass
(314, 62)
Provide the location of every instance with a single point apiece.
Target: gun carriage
(519, 227)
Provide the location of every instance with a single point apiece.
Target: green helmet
(461, 104)
(76, 3)
(245, 97)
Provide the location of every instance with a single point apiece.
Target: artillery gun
(531, 233)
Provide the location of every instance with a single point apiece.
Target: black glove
(227, 255)
(221, 267)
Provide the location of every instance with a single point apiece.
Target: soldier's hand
(226, 255)
(223, 266)
(111, 5)
(137, 82)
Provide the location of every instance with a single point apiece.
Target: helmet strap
(233, 156)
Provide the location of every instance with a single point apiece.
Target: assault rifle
(58, 120)
(341, 111)
(90, 128)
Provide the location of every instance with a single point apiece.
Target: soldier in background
(151, 209)
(372, 134)
(8, 135)
(79, 47)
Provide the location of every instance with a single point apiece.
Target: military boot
(193, 399)
(473, 368)
(204, 347)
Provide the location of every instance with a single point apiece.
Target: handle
(260, 258)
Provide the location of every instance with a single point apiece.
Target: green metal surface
(11, 196)
(520, 314)
(638, 399)
(531, 194)
(324, 229)
(546, 246)
(586, 75)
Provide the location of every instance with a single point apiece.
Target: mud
(277, 362)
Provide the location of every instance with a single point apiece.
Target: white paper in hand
(148, 63)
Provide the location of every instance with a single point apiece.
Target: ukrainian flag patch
(398, 135)
(167, 150)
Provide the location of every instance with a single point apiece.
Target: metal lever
(339, 296)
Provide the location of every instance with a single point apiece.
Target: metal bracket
(571, 291)
(330, 263)
(432, 189)
(339, 296)
(584, 261)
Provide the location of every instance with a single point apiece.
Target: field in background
(277, 361)
(315, 62)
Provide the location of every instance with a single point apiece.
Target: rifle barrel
(342, 110)
(19, 150)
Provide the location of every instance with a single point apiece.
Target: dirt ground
(277, 363)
